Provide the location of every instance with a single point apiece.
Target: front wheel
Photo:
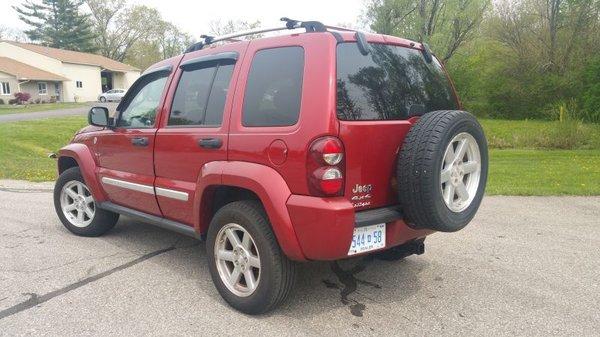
(246, 264)
(76, 207)
(102, 99)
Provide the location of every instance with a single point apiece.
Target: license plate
(367, 238)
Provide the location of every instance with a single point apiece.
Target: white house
(63, 75)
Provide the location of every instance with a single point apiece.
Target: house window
(79, 84)
(5, 88)
(42, 88)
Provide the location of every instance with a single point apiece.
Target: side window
(139, 110)
(273, 97)
(200, 95)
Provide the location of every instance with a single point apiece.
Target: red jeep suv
(320, 144)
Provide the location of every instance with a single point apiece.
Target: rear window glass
(274, 87)
(200, 96)
(389, 83)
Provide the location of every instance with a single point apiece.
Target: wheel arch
(79, 155)
(223, 182)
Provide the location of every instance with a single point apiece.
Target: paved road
(525, 266)
(80, 111)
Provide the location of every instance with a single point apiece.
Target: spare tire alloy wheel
(77, 204)
(460, 173)
(442, 171)
(237, 260)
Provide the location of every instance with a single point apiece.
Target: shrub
(22, 97)
(1, 101)
(591, 92)
(12, 101)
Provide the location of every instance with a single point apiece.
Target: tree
(445, 24)
(58, 24)
(218, 27)
(136, 34)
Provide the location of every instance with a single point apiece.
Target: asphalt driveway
(525, 266)
(80, 111)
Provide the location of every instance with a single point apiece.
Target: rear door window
(274, 87)
(200, 95)
(389, 83)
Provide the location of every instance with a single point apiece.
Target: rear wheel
(102, 99)
(246, 264)
(442, 171)
(76, 207)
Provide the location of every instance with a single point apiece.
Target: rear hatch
(379, 97)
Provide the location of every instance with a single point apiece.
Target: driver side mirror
(98, 116)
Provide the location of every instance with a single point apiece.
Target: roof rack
(290, 24)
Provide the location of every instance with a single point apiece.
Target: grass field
(521, 166)
(10, 109)
(24, 146)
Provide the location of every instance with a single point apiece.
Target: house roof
(24, 71)
(69, 56)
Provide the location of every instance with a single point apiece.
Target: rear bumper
(324, 226)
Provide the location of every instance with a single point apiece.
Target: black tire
(102, 221)
(277, 272)
(420, 164)
(102, 99)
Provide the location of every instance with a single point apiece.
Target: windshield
(390, 83)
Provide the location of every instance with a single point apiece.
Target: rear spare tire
(442, 171)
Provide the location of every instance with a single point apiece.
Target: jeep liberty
(320, 144)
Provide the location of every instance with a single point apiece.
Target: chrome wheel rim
(460, 172)
(77, 204)
(237, 259)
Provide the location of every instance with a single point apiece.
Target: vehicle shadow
(354, 283)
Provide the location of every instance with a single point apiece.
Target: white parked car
(112, 95)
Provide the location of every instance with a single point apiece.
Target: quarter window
(139, 110)
(273, 97)
(42, 88)
(4, 88)
(200, 96)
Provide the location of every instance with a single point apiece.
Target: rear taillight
(325, 167)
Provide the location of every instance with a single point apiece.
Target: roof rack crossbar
(290, 24)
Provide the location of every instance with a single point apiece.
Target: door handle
(210, 143)
(140, 141)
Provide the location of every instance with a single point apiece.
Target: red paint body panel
(324, 227)
(273, 192)
(373, 162)
(269, 161)
(178, 158)
(317, 109)
(87, 164)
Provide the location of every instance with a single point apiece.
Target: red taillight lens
(325, 167)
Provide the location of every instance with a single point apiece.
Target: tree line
(508, 58)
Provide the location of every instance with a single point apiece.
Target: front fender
(87, 165)
(267, 184)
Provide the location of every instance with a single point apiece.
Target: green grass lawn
(24, 147)
(6, 109)
(569, 135)
(544, 172)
